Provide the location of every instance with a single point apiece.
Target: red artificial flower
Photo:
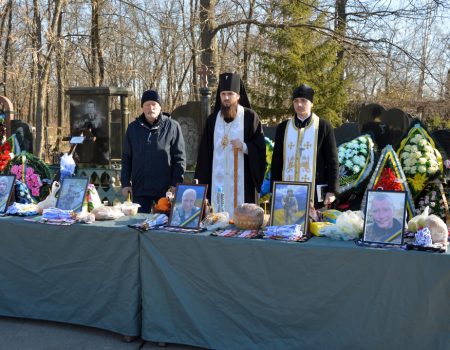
(5, 150)
(388, 181)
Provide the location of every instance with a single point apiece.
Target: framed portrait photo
(72, 193)
(6, 187)
(290, 204)
(188, 206)
(384, 219)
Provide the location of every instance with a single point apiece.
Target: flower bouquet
(33, 172)
(356, 160)
(420, 160)
(433, 196)
(388, 176)
(6, 154)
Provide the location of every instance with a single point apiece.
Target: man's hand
(125, 191)
(329, 198)
(236, 143)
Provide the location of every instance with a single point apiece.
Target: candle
(24, 159)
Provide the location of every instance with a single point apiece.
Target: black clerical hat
(231, 82)
(304, 91)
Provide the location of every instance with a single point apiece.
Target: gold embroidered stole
(300, 153)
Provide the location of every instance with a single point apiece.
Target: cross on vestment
(305, 178)
(307, 145)
(291, 145)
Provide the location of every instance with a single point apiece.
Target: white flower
(422, 169)
(348, 164)
(414, 148)
(411, 161)
(427, 200)
(433, 204)
(422, 161)
(432, 170)
(406, 169)
(417, 154)
(405, 155)
(356, 169)
(413, 170)
(423, 143)
(428, 148)
(407, 148)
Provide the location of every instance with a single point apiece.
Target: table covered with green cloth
(85, 274)
(232, 293)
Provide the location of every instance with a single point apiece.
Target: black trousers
(145, 202)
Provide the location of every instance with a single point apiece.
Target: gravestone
(442, 138)
(6, 115)
(91, 113)
(269, 132)
(365, 114)
(24, 135)
(399, 123)
(189, 116)
(346, 132)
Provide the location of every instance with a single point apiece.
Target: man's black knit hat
(150, 95)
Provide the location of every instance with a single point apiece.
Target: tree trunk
(194, 47)
(43, 55)
(60, 74)
(8, 13)
(97, 61)
(247, 52)
(208, 38)
(340, 27)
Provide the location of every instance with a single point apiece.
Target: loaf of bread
(248, 216)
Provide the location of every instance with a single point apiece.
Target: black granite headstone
(346, 132)
(398, 122)
(24, 135)
(442, 138)
(365, 114)
(189, 117)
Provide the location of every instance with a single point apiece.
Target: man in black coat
(153, 157)
(232, 125)
(305, 149)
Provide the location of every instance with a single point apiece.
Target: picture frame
(72, 193)
(290, 204)
(189, 203)
(384, 217)
(6, 189)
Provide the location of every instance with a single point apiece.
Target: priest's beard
(228, 112)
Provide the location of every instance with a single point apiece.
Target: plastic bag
(349, 226)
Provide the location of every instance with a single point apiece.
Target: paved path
(26, 334)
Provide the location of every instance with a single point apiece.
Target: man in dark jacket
(153, 158)
(305, 149)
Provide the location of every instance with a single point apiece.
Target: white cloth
(223, 161)
(300, 153)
